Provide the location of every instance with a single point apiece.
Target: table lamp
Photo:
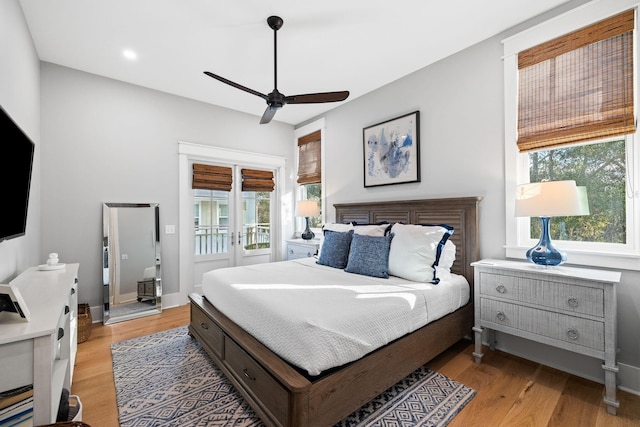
(545, 200)
(307, 208)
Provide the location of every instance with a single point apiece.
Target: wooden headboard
(459, 212)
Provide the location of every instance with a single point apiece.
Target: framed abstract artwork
(392, 151)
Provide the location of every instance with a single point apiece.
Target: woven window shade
(208, 177)
(578, 87)
(256, 180)
(309, 166)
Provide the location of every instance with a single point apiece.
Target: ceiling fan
(275, 99)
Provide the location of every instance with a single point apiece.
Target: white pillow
(371, 230)
(443, 270)
(448, 256)
(415, 251)
(335, 226)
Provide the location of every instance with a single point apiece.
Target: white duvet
(318, 317)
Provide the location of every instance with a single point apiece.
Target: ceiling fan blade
(236, 85)
(268, 115)
(314, 98)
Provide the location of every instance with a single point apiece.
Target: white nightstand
(566, 307)
(300, 248)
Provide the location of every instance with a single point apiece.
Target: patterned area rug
(167, 379)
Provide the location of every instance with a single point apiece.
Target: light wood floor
(510, 391)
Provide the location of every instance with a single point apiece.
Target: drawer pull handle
(572, 334)
(572, 302)
(501, 316)
(204, 325)
(246, 373)
(501, 289)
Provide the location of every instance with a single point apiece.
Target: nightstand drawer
(570, 329)
(500, 313)
(577, 299)
(564, 296)
(296, 250)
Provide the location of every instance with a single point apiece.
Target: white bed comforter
(318, 317)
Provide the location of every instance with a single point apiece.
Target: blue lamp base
(544, 253)
(307, 234)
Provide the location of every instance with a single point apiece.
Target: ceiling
(323, 46)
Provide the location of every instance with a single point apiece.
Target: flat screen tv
(15, 174)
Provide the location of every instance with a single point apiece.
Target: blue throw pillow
(369, 255)
(335, 248)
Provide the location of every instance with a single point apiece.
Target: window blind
(209, 177)
(578, 87)
(309, 166)
(257, 180)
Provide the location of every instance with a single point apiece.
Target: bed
(285, 393)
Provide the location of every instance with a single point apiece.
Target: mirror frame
(107, 318)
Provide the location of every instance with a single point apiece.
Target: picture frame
(392, 151)
(12, 304)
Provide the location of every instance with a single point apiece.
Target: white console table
(42, 351)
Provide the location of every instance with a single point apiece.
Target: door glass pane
(256, 220)
(211, 221)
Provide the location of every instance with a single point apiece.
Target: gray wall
(108, 141)
(20, 97)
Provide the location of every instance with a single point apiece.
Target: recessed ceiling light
(130, 54)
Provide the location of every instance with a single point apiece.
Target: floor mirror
(131, 274)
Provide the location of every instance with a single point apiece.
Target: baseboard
(629, 378)
(168, 301)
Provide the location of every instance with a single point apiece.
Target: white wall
(108, 141)
(20, 97)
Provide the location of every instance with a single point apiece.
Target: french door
(193, 266)
(234, 227)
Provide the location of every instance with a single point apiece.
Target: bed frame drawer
(267, 390)
(209, 334)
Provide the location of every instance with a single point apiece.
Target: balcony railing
(215, 239)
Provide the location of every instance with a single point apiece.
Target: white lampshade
(551, 198)
(307, 208)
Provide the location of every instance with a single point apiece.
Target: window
(309, 171)
(601, 168)
(313, 192)
(569, 86)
